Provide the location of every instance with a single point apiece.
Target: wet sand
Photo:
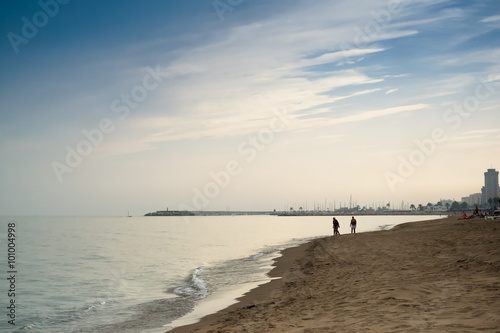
(432, 276)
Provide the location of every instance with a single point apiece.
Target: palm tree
(412, 207)
(493, 202)
(455, 206)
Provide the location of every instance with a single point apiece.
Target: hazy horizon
(247, 105)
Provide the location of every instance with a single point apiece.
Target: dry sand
(433, 276)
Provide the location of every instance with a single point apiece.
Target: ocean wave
(196, 287)
(65, 319)
(150, 315)
(263, 253)
(254, 256)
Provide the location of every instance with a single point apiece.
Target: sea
(143, 274)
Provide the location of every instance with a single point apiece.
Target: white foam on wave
(254, 256)
(197, 287)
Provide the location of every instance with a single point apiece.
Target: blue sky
(139, 106)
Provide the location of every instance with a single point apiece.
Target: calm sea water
(144, 274)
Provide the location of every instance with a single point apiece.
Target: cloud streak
(369, 115)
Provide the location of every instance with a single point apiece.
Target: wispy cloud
(484, 131)
(494, 18)
(357, 117)
(459, 146)
(223, 90)
(338, 56)
(368, 115)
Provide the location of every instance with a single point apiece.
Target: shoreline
(282, 267)
(416, 276)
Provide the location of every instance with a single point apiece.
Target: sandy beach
(432, 276)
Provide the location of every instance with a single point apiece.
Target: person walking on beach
(336, 226)
(353, 225)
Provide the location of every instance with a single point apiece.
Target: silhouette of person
(353, 225)
(336, 226)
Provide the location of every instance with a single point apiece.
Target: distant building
(436, 208)
(490, 188)
(447, 201)
(473, 199)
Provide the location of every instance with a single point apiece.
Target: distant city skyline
(109, 108)
(490, 189)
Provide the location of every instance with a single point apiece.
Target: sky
(136, 106)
